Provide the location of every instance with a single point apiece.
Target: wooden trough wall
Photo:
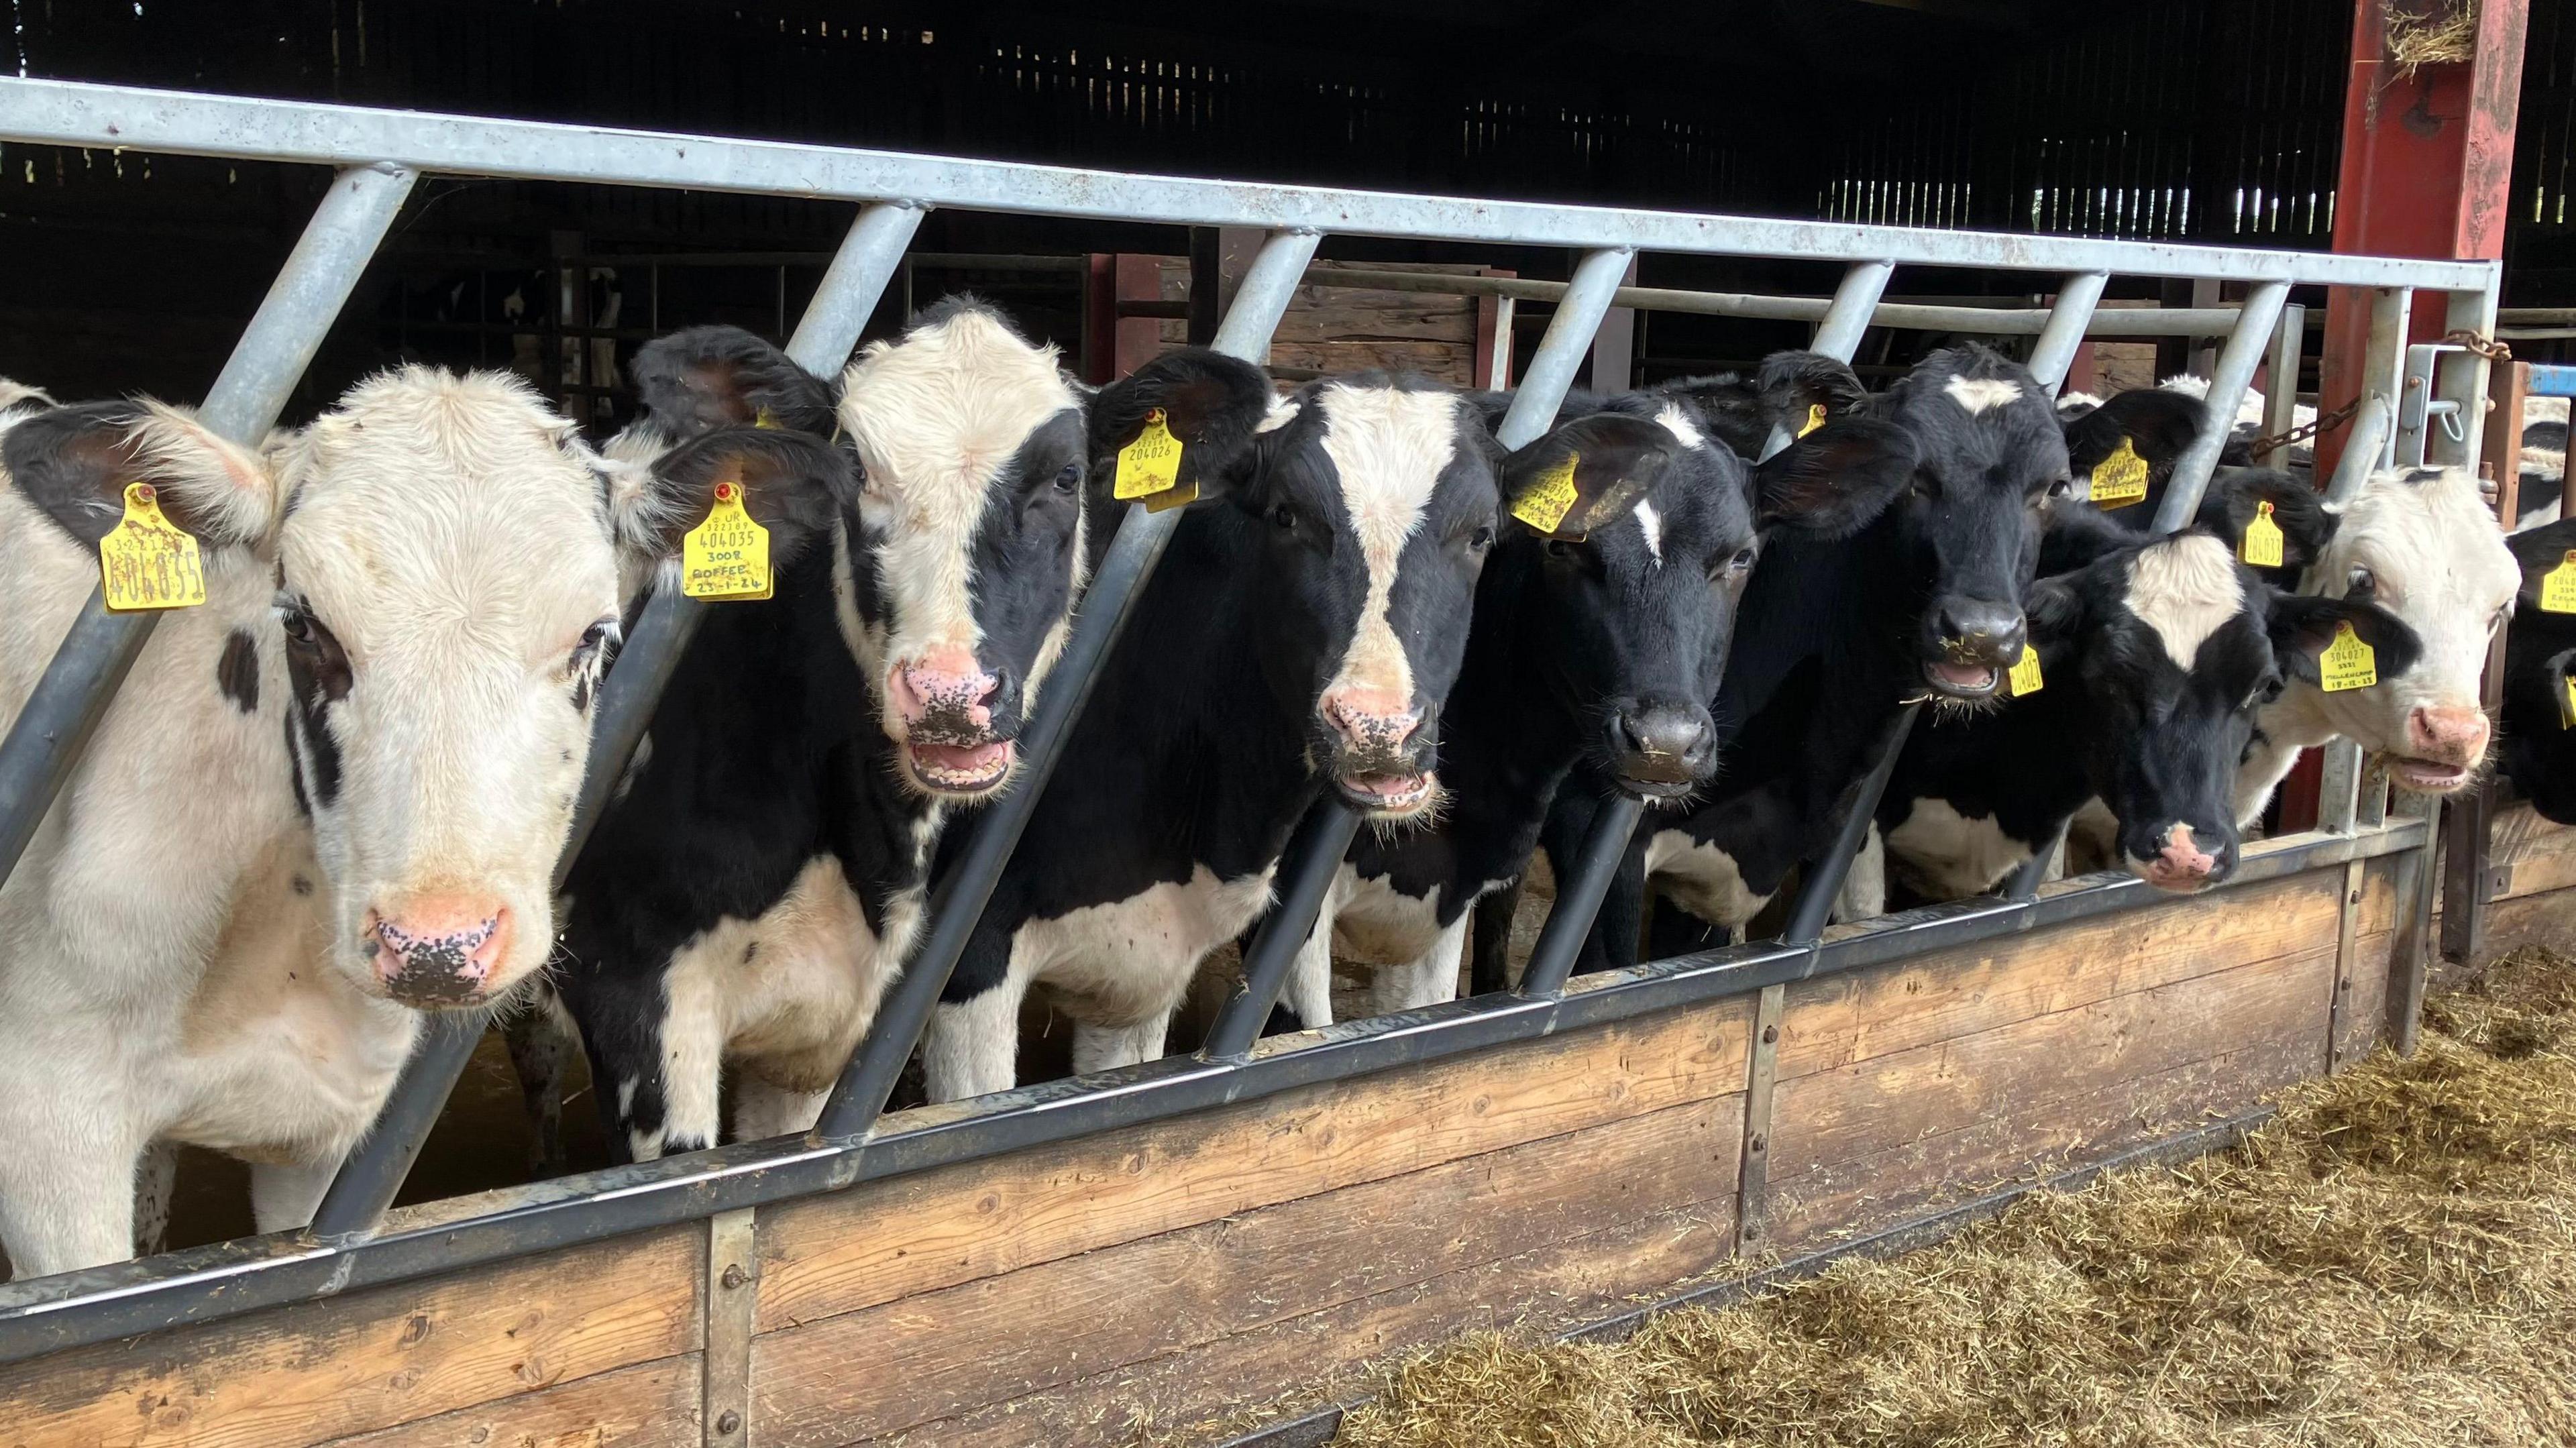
(1161, 1275)
(2532, 866)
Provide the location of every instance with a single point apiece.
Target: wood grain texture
(389, 1355)
(941, 1354)
(862, 1248)
(650, 1405)
(2545, 920)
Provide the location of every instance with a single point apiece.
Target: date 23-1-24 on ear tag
(726, 557)
(1150, 468)
(2262, 545)
(145, 561)
(2558, 586)
(2121, 478)
(2347, 663)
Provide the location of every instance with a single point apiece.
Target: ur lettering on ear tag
(2023, 676)
(145, 562)
(1151, 464)
(727, 556)
(2558, 586)
(1544, 504)
(2347, 663)
(1815, 418)
(2262, 545)
(2121, 478)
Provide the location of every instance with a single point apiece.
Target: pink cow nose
(2181, 864)
(440, 949)
(1372, 721)
(2447, 733)
(945, 692)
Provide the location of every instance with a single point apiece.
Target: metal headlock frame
(379, 154)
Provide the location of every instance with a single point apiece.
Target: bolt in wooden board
(857, 1249)
(371, 1359)
(650, 1405)
(2535, 854)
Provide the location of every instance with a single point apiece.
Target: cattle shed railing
(379, 156)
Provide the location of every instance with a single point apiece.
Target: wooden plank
(372, 1359)
(2540, 873)
(650, 1405)
(933, 1355)
(2546, 920)
(1841, 1020)
(2363, 1022)
(857, 1249)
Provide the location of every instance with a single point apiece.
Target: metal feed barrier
(380, 155)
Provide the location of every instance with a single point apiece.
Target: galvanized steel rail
(380, 153)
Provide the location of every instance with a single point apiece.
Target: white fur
(1389, 447)
(1414, 958)
(1977, 394)
(2185, 588)
(1677, 421)
(1702, 879)
(1863, 895)
(1945, 855)
(1651, 523)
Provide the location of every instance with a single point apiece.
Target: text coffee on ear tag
(2121, 478)
(1151, 464)
(1815, 418)
(2262, 545)
(2558, 586)
(2347, 663)
(727, 556)
(2023, 676)
(145, 562)
(1544, 503)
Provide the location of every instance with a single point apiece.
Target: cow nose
(439, 949)
(1978, 630)
(2447, 733)
(2180, 863)
(1663, 744)
(945, 692)
(1371, 721)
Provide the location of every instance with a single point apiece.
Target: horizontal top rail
(72, 113)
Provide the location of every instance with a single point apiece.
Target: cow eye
(1284, 518)
(2361, 584)
(1742, 560)
(599, 641)
(1069, 479)
(1482, 538)
(2061, 487)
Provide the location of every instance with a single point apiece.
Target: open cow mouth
(2426, 776)
(1388, 793)
(963, 768)
(1650, 785)
(1962, 681)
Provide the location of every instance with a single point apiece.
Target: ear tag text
(2558, 586)
(2022, 679)
(727, 556)
(2347, 663)
(2121, 478)
(2262, 545)
(1544, 503)
(1150, 465)
(145, 562)
(1815, 418)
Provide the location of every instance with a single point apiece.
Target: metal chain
(2323, 422)
(2487, 347)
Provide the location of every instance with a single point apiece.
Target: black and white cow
(2540, 657)
(761, 876)
(327, 797)
(1300, 635)
(1601, 653)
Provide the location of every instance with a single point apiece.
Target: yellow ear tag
(2262, 545)
(2023, 676)
(1545, 503)
(2347, 663)
(2121, 478)
(1815, 418)
(2567, 701)
(766, 419)
(2558, 586)
(1151, 464)
(145, 561)
(727, 556)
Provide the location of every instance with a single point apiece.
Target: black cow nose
(1978, 630)
(1663, 743)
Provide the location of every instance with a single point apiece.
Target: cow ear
(2157, 424)
(2054, 608)
(2235, 499)
(705, 378)
(1211, 403)
(1616, 460)
(1834, 480)
(2302, 625)
(1741, 411)
(73, 463)
(793, 484)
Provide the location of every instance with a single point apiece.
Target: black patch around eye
(237, 671)
(295, 766)
(581, 691)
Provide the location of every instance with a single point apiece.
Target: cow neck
(1513, 735)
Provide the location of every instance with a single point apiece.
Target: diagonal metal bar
(2054, 353)
(2235, 372)
(1309, 864)
(1578, 898)
(852, 284)
(1845, 323)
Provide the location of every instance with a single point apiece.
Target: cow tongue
(1964, 676)
(962, 761)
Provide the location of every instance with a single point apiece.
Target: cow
(330, 797)
(1601, 651)
(2540, 658)
(761, 876)
(1299, 636)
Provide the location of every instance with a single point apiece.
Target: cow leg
(68, 1151)
(156, 1176)
(1310, 976)
(973, 1045)
(283, 1197)
(762, 1111)
(1489, 971)
(542, 1038)
(1864, 892)
(1105, 1048)
(1426, 982)
(656, 1063)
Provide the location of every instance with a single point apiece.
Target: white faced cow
(329, 796)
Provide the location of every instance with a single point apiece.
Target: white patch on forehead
(1678, 422)
(1976, 394)
(2185, 588)
(1652, 524)
(1388, 447)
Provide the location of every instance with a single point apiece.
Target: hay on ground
(2391, 1262)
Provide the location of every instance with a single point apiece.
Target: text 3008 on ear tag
(2558, 586)
(1150, 465)
(2023, 677)
(145, 562)
(1544, 503)
(2262, 545)
(2347, 663)
(2121, 478)
(727, 556)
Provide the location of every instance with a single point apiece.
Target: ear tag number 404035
(2558, 586)
(1150, 468)
(145, 561)
(726, 558)
(2347, 663)
(2121, 478)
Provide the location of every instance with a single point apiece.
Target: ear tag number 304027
(1150, 468)
(2121, 478)
(726, 557)
(2558, 586)
(2347, 663)
(145, 561)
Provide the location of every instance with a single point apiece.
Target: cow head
(1369, 507)
(2540, 657)
(447, 556)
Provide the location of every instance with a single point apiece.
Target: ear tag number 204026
(726, 558)
(1150, 468)
(146, 562)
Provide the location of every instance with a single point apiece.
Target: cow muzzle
(1379, 750)
(1974, 641)
(2444, 745)
(2183, 862)
(1660, 751)
(438, 950)
(945, 703)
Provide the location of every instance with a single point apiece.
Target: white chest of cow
(1702, 879)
